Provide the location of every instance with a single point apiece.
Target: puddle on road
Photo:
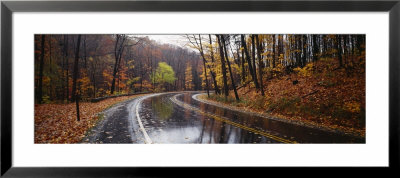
(166, 122)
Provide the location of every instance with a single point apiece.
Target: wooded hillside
(107, 65)
(313, 78)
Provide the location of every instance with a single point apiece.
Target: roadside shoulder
(200, 98)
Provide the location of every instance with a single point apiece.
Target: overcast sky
(178, 40)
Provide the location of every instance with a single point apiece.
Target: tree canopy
(164, 74)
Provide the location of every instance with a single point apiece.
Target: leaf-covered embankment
(319, 94)
(57, 123)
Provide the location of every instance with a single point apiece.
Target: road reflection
(167, 122)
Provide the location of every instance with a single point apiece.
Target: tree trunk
(77, 108)
(248, 59)
(315, 48)
(62, 72)
(76, 73)
(359, 39)
(344, 53)
(253, 56)
(229, 67)
(260, 63)
(243, 69)
(51, 71)
(273, 51)
(76, 68)
(298, 53)
(216, 88)
(324, 44)
(339, 49)
(352, 41)
(280, 46)
(84, 51)
(116, 56)
(204, 65)
(223, 67)
(118, 50)
(304, 50)
(67, 67)
(40, 92)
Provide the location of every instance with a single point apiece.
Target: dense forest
(233, 61)
(316, 78)
(114, 64)
(103, 65)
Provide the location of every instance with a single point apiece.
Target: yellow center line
(232, 123)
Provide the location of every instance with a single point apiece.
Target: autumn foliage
(317, 79)
(319, 94)
(56, 123)
(107, 65)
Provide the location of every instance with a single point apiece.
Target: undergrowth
(323, 94)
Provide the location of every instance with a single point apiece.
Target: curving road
(181, 118)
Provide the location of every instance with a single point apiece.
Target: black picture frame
(8, 7)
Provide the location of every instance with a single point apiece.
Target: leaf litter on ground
(57, 123)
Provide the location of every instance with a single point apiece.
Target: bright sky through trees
(178, 40)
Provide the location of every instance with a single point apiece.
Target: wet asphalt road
(182, 118)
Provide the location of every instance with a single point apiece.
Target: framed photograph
(112, 88)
